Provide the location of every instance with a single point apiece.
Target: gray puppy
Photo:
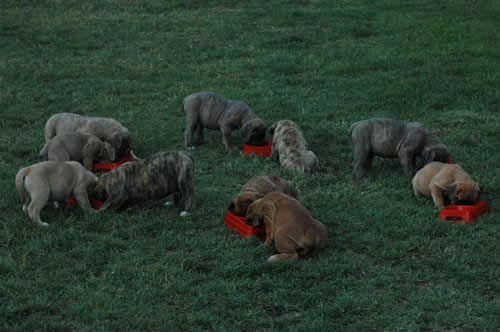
(107, 129)
(84, 148)
(386, 137)
(290, 147)
(154, 177)
(212, 111)
(54, 181)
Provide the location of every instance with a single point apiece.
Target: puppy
(290, 147)
(437, 178)
(212, 111)
(386, 137)
(154, 177)
(54, 181)
(84, 148)
(257, 187)
(107, 129)
(294, 231)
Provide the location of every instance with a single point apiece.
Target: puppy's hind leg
(188, 132)
(361, 158)
(36, 205)
(283, 256)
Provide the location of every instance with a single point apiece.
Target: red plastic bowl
(263, 150)
(450, 161)
(464, 213)
(237, 223)
(94, 202)
(109, 166)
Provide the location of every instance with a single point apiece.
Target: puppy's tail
(42, 155)
(21, 175)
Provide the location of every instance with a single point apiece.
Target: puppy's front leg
(82, 198)
(226, 137)
(437, 196)
(406, 158)
(269, 230)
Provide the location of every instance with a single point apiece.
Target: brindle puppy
(154, 177)
(386, 137)
(257, 187)
(290, 147)
(212, 111)
(107, 129)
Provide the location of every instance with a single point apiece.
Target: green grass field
(390, 263)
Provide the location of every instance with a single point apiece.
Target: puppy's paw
(184, 214)
(44, 224)
(273, 258)
(169, 203)
(191, 147)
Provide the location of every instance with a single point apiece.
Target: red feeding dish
(109, 166)
(94, 202)
(450, 161)
(464, 213)
(264, 150)
(238, 224)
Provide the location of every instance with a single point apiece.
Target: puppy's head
(108, 153)
(253, 132)
(240, 203)
(121, 141)
(253, 215)
(464, 192)
(98, 191)
(437, 152)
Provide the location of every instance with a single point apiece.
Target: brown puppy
(257, 187)
(53, 181)
(212, 111)
(290, 147)
(437, 178)
(154, 177)
(84, 148)
(294, 231)
(107, 129)
(386, 137)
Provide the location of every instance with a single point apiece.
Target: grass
(389, 264)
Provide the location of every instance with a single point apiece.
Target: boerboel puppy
(154, 177)
(294, 231)
(107, 129)
(84, 148)
(290, 147)
(386, 137)
(437, 178)
(257, 187)
(212, 111)
(53, 181)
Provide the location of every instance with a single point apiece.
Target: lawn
(389, 264)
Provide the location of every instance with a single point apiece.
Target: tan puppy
(437, 178)
(290, 147)
(107, 129)
(53, 181)
(84, 148)
(294, 231)
(257, 187)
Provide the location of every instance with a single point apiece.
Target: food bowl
(464, 213)
(109, 166)
(450, 161)
(263, 150)
(93, 202)
(237, 223)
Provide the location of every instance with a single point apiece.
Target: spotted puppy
(386, 137)
(212, 111)
(257, 187)
(154, 177)
(107, 129)
(290, 147)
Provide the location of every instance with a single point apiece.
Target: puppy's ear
(246, 132)
(453, 190)
(116, 140)
(110, 151)
(428, 155)
(272, 129)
